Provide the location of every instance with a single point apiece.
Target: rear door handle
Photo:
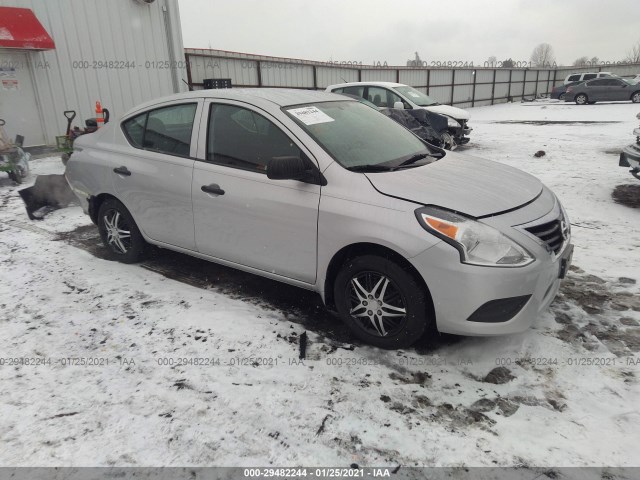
(213, 189)
(122, 171)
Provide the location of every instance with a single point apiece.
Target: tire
(15, 177)
(126, 249)
(362, 283)
(561, 96)
(447, 141)
(581, 99)
(635, 97)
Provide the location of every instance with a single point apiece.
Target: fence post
(453, 84)
(537, 78)
(510, 77)
(493, 87)
(315, 78)
(259, 73)
(428, 80)
(473, 93)
(397, 75)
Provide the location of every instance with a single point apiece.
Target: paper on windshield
(310, 115)
(414, 94)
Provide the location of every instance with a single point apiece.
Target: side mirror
(398, 105)
(294, 168)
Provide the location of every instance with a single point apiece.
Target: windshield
(358, 136)
(416, 96)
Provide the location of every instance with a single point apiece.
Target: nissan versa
(323, 192)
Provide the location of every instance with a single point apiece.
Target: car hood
(449, 111)
(466, 184)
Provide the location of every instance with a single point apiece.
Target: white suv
(583, 77)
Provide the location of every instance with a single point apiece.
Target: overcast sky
(382, 30)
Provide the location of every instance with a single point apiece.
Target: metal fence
(463, 87)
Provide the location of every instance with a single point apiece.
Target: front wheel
(581, 99)
(635, 98)
(119, 232)
(381, 302)
(561, 96)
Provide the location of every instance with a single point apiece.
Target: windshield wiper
(369, 168)
(415, 158)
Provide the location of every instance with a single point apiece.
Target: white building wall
(120, 52)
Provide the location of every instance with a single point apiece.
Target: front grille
(550, 233)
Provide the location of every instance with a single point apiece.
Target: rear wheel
(581, 99)
(561, 96)
(381, 302)
(635, 98)
(15, 177)
(119, 232)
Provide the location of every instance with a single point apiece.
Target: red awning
(19, 28)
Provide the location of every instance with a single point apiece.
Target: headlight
(478, 244)
(452, 123)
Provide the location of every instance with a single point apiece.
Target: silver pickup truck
(630, 155)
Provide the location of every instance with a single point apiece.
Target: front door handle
(122, 171)
(213, 189)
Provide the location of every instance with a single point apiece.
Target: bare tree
(581, 61)
(633, 56)
(492, 61)
(594, 60)
(542, 55)
(508, 63)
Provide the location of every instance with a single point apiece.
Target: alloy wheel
(376, 304)
(636, 97)
(118, 232)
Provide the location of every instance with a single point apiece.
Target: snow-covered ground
(204, 369)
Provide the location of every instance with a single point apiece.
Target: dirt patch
(628, 195)
(498, 376)
(594, 295)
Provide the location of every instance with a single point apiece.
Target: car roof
(377, 84)
(280, 97)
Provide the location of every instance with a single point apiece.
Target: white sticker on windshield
(414, 94)
(310, 115)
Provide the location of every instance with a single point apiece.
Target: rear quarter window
(573, 78)
(134, 129)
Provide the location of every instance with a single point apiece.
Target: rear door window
(168, 129)
(356, 90)
(573, 78)
(165, 130)
(589, 76)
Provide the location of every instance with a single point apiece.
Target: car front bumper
(478, 300)
(630, 157)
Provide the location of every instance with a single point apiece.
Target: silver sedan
(320, 191)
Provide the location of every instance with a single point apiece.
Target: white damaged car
(398, 95)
